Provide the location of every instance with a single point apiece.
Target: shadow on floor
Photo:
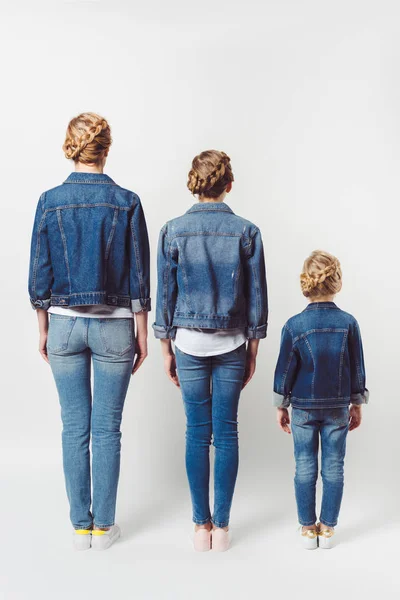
(364, 527)
(256, 525)
(150, 517)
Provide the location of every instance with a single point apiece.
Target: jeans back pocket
(60, 330)
(116, 335)
(341, 416)
(299, 416)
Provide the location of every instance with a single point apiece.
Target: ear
(228, 187)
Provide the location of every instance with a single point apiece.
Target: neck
(323, 299)
(219, 199)
(84, 168)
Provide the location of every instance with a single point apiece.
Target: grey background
(303, 96)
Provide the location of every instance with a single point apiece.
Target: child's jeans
(332, 425)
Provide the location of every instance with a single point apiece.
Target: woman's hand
(251, 359)
(43, 346)
(282, 416)
(141, 340)
(169, 362)
(43, 321)
(355, 416)
(141, 353)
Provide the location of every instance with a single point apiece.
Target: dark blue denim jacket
(211, 273)
(89, 246)
(321, 361)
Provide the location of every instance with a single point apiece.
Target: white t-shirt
(208, 342)
(95, 311)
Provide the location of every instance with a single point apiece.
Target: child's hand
(283, 419)
(355, 416)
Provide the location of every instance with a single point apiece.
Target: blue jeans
(307, 426)
(73, 343)
(211, 389)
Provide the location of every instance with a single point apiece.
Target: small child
(320, 371)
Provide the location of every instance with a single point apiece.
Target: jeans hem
(90, 526)
(220, 525)
(327, 523)
(102, 526)
(201, 521)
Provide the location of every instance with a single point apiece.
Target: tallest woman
(90, 270)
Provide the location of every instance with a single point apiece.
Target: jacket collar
(314, 305)
(77, 177)
(210, 207)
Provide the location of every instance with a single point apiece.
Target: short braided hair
(211, 172)
(88, 139)
(321, 276)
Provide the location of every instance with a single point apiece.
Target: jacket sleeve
(166, 288)
(139, 260)
(359, 393)
(40, 269)
(286, 370)
(256, 289)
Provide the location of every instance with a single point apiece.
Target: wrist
(252, 348)
(166, 348)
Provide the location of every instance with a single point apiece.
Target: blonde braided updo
(88, 139)
(321, 276)
(211, 172)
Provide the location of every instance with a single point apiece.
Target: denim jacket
(211, 273)
(89, 246)
(321, 362)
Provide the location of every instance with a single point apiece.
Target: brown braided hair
(321, 276)
(88, 139)
(210, 174)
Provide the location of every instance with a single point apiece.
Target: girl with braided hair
(89, 270)
(212, 301)
(320, 373)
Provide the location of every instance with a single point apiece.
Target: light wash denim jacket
(321, 361)
(211, 273)
(89, 246)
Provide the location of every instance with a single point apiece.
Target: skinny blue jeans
(308, 427)
(73, 344)
(211, 389)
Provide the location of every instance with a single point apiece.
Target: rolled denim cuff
(43, 304)
(164, 333)
(280, 401)
(256, 333)
(362, 398)
(140, 305)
